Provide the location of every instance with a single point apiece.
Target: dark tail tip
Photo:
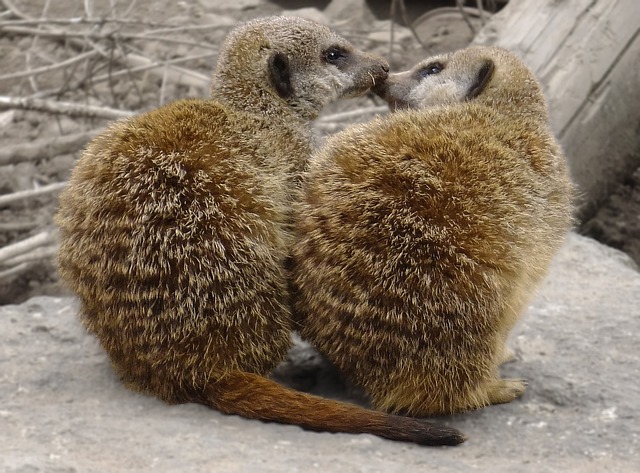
(449, 437)
(423, 432)
(442, 436)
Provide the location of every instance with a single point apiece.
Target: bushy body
(423, 234)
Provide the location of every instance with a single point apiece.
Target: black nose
(385, 67)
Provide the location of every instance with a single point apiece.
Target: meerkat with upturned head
(424, 233)
(176, 224)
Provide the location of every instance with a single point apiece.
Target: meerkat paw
(506, 390)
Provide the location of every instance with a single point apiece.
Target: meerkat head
(270, 60)
(478, 73)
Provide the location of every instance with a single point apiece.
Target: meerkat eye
(431, 69)
(334, 54)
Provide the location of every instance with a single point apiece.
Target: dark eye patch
(430, 69)
(334, 54)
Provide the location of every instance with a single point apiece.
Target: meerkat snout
(396, 87)
(361, 71)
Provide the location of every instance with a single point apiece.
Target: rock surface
(63, 410)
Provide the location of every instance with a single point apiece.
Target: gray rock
(63, 410)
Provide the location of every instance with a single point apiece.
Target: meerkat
(424, 233)
(176, 225)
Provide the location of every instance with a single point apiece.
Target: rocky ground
(63, 410)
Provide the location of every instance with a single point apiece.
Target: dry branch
(38, 254)
(45, 148)
(27, 252)
(17, 226)
(13, 272)
(8, 199)
(52, 67)
(109, 45)
(95, 36)
(14, 10)
(178, 75)
(25, 246)
(137, 62)
(23, 19)
(62, 108)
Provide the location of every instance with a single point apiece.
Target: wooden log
(586, 54)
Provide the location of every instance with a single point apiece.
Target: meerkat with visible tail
(423, 234)
(176, 226)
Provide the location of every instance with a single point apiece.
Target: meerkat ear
(482, 79)
(280, 74)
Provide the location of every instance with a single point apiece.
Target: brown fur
(176, 225)
(424, 233)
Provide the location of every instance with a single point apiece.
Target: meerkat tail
(255, 397)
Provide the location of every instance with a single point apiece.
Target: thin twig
(62, 35)
(337, 117)
(8, 199)
(155, 28)
(408, 23)
(392, 15)
(51, 68)
(331, 127)
(466, 12)
(37, 254)
(132, 61)
(190, 28)
(481, 10)
(45, 9)
(177, 74)
(17, 226)
(66, 108)
(465, 16)
(15, 271)
(163, 86)
(129, 8)
(28, 244)
(8, 4)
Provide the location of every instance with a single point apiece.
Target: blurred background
(69, 67)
